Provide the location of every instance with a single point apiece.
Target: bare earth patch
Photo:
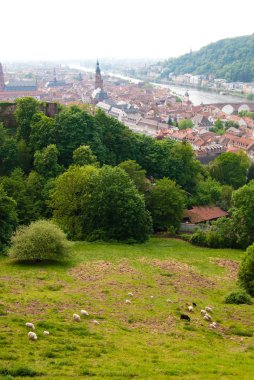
(184, 276)
(29, 308)
(97, 270)
(231, 266)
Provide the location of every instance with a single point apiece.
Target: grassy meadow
(142, 340)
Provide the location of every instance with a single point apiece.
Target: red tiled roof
(200, 214)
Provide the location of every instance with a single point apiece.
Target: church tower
(1, 78)
(98, 78)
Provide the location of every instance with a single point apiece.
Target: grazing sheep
(95, 322)
(208, 308)
(203, 312)
(127, 301)
(151, 297)
(45, 332)
(213, 325)
(32, 336)
(84, 312)
(76, 318)
(130, 294)
(190, 308)
(194, 304)
(207, 317)
(30, 325)
(185, 316)
(169, 300)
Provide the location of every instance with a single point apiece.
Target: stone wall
(7, 112)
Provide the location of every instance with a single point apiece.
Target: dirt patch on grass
(97, 270)
(231, 266)
(29, 308)
(184, 277)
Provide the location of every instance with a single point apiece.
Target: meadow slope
(142, 340)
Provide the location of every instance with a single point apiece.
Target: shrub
(238, 297)
(199, 238)
(41, 240)
(246, 272)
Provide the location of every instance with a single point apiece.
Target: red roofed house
(202, 214)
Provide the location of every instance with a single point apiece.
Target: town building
(98, 94)
(17, 88)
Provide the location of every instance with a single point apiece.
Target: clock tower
(98, 78)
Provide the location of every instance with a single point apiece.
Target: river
(196, 96)
(199, 96)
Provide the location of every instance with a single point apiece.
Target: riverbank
(196, 96)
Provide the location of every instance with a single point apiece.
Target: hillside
(142, 340)
(231, 58)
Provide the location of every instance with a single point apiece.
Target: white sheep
(130, 294)
(45, 332)
(190, 308)
(76, 318)
(151, 297)
(127, 301)
(95, 322)
(203, 312)
(84, 312)
(207, 317)
(209, 309)
(213, 325)
(169, 300)
(32, 336)
(30, 325)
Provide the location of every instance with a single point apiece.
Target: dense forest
(97, 179)
(230, 58)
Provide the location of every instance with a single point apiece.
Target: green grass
(143, 340)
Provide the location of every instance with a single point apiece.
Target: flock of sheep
(76, 317)
(205, 312)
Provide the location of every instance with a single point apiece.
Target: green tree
(230, 169)
(208, 192)
(242, 212)
(16, 187)
(8, 218)
(25, 110)
(166, 201)
(75, 127)
(35, 185)
(8, 152)
(67, 199)
(226, 197)
(185, 124)
(84, 156)
(218, 127)
(25, 157)
(41, 240)
(229, 124)
(246, 272)
(136, 174)
(46, 162)
(113, 208)
(43, 131)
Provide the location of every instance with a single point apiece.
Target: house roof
(200, 214)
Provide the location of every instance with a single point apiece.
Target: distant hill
(230, 58)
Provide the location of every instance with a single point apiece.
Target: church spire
(2, 85)
(98, 78)
(54, 73)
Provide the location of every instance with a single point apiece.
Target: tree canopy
(230, 58)
(231, 169)
(166, 201)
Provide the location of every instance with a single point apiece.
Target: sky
(82, 29)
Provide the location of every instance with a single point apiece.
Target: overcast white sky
(76, 29)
